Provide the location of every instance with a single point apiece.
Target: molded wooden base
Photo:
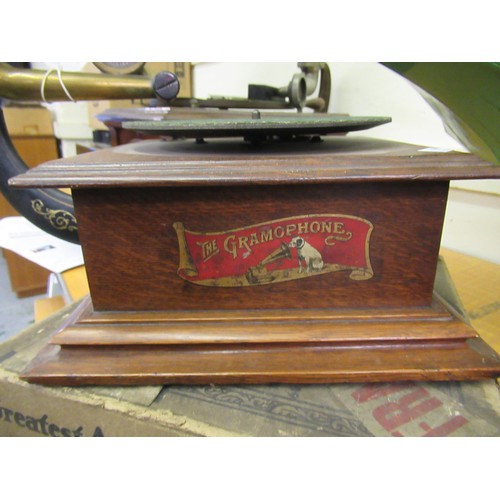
(263, 347)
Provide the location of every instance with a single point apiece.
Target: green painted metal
(298, 123)
(466, 96)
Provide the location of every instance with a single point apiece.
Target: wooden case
(299, 263)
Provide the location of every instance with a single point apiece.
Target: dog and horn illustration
(275, 251)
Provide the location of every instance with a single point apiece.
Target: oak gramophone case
(220, 261)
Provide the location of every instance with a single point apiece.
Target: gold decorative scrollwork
(330, 240)
(59, 219)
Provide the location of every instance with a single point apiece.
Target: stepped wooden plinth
(290, 263)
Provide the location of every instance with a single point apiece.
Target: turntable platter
(258, 126)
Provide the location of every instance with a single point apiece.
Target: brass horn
(259, 273)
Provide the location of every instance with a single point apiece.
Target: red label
(280, 250)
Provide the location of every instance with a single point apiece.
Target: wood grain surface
(257, 327)
(132, 253)
(235, 162)
(282, 363)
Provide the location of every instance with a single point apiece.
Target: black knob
(166, 85)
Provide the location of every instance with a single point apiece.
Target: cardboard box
(403, 409)
(28, 121)
(32, 133)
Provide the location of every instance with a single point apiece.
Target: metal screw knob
(166, 85)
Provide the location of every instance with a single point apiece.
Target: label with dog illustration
(280, 250)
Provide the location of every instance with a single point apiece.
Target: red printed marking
(391, 415)
(394, 414)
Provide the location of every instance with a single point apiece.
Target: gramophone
(256, 247)
(260, 273)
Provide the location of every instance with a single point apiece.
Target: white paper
(435, 150)
(24, 238)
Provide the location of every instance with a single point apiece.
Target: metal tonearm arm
(36, 85)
